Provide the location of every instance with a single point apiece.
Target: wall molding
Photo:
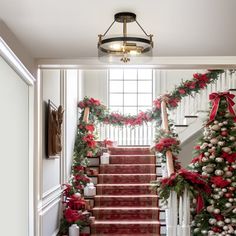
(15, 63)
(155, 62)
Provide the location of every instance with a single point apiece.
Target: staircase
(125, 204)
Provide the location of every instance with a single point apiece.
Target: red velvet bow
(215, 99)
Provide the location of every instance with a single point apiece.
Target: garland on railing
(74, 204)
(189, 87)
(167, 142)
(181, 180)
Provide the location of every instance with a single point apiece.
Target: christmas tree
(216, 160)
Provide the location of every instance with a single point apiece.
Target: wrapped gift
(92, 219)
(90, 190)
(105, 158)
(74, 230)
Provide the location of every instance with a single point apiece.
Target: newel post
(86, 115)
(165, 126)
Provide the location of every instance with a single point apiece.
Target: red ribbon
(215, 99)
(200, 203)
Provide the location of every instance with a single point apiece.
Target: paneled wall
(16, 157)
(60, 87)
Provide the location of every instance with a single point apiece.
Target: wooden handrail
(165, 126)
(86, 115)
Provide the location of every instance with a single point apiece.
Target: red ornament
(231, 188)
(224, 133)
(216, 229)
(228, 195)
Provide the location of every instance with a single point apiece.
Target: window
(130, 90)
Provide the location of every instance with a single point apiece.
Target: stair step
(130, 150)
(124, 189)
(125, 178)
(126, 213)
(126, 227)
(126, 200)
(128, 169)
(132, 159)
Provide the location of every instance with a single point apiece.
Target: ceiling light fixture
(124, 46)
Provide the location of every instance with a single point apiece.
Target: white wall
(95, 84)
(14, 148)
(187, 148)
(60, 87)
(166, 80)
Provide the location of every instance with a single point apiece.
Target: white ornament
(210, 145)
(231, 199)
(204, 231)
(216, 211)
(211, 233)
(216, 122)
(215, 127)
(214, 140)
(223, 129)
(234, 210)
(220, 223)
(221, 124)
(212, 221)
(224, 190)
(228, 204)
(221, 143)
(231, 138)
(226, 149)
(219, 172)
(211, 157)
(210, 209)
(225, 228)
(233, 220)
(205, 159)
(219, 159)
(233, 184)
(205, 174)
(227, 220)
(228, 173)
(207, 154)
(234, 166)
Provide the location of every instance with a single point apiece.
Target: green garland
(99, 112)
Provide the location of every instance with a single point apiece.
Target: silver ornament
(231, 199)
(219, 159)
(220, 223)
(214, 140)
(221, 143)
(207, 154)
(216, 211)
(219, 172)
(227, 220)
(215, 127)
(228, 204)
(226, 149)
(205, 159)
(228, 173)
(210, 209)
(212, 221)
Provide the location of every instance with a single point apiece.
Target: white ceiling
(69, 28)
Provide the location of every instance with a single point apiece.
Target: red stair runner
(125, 203)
